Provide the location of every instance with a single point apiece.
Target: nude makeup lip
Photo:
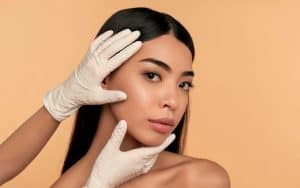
(162, 125)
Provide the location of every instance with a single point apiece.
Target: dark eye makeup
(154, 77)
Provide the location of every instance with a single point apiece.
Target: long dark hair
(152, 24)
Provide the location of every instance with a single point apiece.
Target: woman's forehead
(167, 49)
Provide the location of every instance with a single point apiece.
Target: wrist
(58, 106)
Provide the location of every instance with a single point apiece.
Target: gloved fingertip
(109, 32)
(171, 138)
(127, 29)
(136, 33)
(138, 44)
(122, 126)
(168, 141)
(122, 96)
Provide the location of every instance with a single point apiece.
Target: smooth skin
(192, 173)
(153, 91)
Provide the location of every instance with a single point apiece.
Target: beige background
(245, 105)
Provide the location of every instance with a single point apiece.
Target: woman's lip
(160, 127)
(165, 121)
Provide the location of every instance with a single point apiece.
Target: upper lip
(164, 120)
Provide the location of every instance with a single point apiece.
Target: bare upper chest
(168, 171)
(172, 176)
(168, 160)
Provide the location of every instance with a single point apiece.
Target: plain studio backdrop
(244, 108)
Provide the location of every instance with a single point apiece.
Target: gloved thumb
(118, 134)
(108, 96)
(157, 149)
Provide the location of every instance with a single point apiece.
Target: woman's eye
(186, 85)
(152, 76)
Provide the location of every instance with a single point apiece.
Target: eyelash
(147, 74)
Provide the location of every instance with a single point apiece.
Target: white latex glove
(114, 167)
(83, 86)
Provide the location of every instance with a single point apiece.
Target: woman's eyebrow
(165, 66)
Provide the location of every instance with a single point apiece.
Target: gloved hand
(83, 86)
(114, 167)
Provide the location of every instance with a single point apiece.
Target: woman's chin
(150, 140)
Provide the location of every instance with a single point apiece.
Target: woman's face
(156, 80)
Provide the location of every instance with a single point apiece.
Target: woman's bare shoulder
(175, 170)
(206, 173)
(196, 171)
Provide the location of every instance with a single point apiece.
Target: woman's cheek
(139, 99)
(138, 90)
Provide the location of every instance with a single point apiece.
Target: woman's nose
(170, 99)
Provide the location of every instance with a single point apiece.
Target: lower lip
(161, 128)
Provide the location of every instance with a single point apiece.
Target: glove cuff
(57, 105)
